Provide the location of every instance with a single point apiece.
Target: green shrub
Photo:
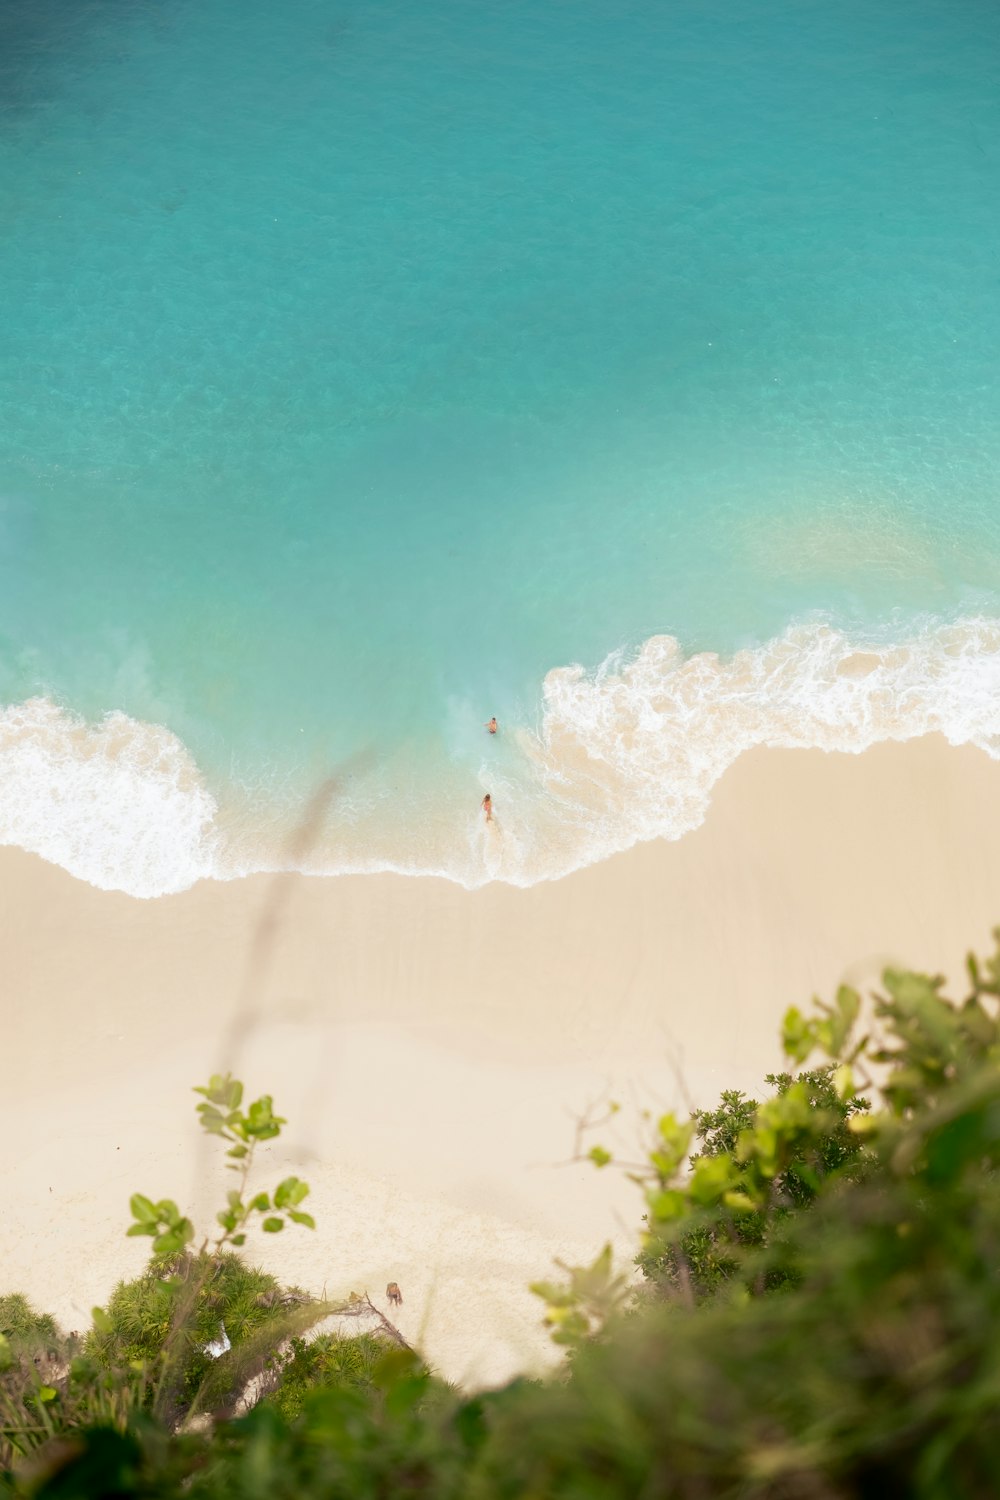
(23, 1326)
(874, 1370)
(330, 1360)
(188, 1300)
(706, 1255)
(32, 1356)
(843, 1348)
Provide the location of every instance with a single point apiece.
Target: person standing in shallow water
(488, 807)
(491, 725)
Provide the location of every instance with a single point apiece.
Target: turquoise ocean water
(370, 369)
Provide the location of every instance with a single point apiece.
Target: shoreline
(432, 1046)
(628, 753)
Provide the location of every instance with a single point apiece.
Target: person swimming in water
(488, 807)
(491, 725)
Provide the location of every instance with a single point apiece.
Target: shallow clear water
(362, 365)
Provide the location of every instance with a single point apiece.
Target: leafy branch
(722, 1187)
(220, 1114)
(189, 1278)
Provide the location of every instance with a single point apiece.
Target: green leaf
(849, 1004)
(272, 1225)
(568, 1328)
(135, 1229)
(7, 1360)
(599, 1156)
(843, 1082)
(46, 1393)
(175, 1238)
(910, 989)
(672, 1147)
(395, 1366)
(261, 1122)
(292, 1190)
(101, 1321)
(552, 1292)
(665, 1207)
(222, 1089)
(741, 1202)
(798, 1035)
(712, 1176)
(805, 1174)
(597, 1273)
(142, 1208)
(238, 1239)
(237, 1152)
(404, 1393)
(297, 1216)
(211, 1119)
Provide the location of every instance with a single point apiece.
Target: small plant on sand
(221, 1115)
(200, 1322)
(198, 1329)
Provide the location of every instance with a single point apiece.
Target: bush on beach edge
(815, 1314)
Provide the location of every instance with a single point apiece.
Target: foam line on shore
(628, 753)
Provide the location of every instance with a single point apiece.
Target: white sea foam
(119, 804)
(627, 753)
(632, 752)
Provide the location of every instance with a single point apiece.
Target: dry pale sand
(431, 1047)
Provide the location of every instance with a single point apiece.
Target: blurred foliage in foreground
(817, 1317)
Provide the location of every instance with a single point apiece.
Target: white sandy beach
(431, 1046)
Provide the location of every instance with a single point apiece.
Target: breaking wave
(642, 744)
(120, 804)
(630, 752)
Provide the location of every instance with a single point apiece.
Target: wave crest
(120, 804)
(642, 745)
(628, 753)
